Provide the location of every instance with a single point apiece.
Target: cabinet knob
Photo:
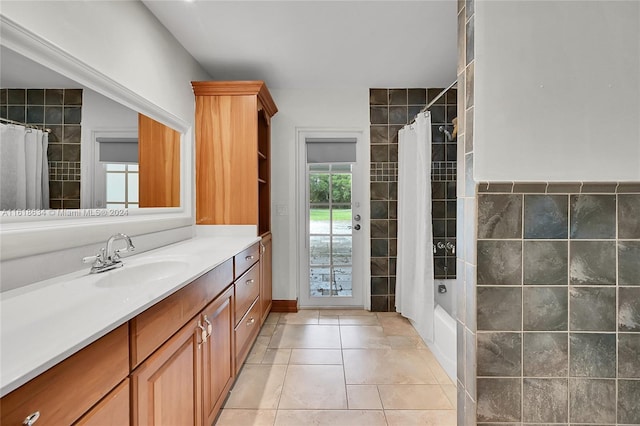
(209, 326)
(251, 322)
(203, 332)
(263, 247)
(249, 282)
(31, 419)
(248, 258)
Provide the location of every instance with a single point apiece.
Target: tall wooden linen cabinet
(233, 162)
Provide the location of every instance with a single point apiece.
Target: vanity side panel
(65, 392)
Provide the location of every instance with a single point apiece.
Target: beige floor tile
(441, 376)
(328, 320)
(452, 394)
(300, 317)
(316, 356)
(313, 387)
(406, 342)
(258, 350)
(363, 397)
(237, 417)
(363, 337)
(306, 337)
(267, 330)
(276, 356)
(358, 320)
(272, 318)
(350, 312)
(397, 326)
(421, 417)
(257, 386)
(330, 418)
(387, 366)
(413, 397)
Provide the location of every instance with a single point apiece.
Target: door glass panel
(330, 230)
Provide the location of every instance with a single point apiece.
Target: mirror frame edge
(48, 235)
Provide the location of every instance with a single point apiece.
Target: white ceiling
(318, 44)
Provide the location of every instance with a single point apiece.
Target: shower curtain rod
(28, 126)
(441, 94)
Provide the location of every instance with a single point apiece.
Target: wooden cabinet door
(167, 386)
(265, 277)
(217, 355)
(113, 410)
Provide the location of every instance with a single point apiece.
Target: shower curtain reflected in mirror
(24, 170)
(414, 282)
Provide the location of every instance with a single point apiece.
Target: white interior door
(331, 262)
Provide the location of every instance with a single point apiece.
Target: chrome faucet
(109, 258)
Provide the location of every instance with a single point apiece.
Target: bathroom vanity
(113, 352)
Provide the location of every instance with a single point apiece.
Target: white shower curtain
(24, 172)
(414, 274)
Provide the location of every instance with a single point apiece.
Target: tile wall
(390, 110)
(558, 303)
(59, 110)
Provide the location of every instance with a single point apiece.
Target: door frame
(361, 260)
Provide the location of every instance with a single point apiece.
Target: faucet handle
(96, 259)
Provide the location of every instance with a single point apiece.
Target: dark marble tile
(499, 308)
(55, 189)
(70, 152)
(379, 209)
(592, 262)
(592, 308)
(592, 355)
(3, 96)
(546, 216)
(413, 110)
(628, 188)
(629, 262)
(545, 308)
(379, 134)
(451, 152)
(628, 214)
(438, 190)
(469, 8)
(378, 96)
(379, 190)
(392, 266)
(55, 135)
(417, 97)
(545, 400)
(380, 303)
(469, 183)
(592, 401)
(629, 355)
(438, 115)
(393, 210)
(437, 152)
(628, 402)
(53, 115)
(392, 285)
(379, 228)
(3, 111)
(530, 187)
(54, 152)
(393, 153)
(546, 262)
(54, 97)
(438, 209)
(55, 204)
(563, 188)
(379, 266)
(451, 190)
(499, 354)
(16, 96)
(598, 188)
(469, 86)
(469, 42)
(545, 354)
(468, 130)
(433, 93)
(71, 204)
(393, 133)
(73, 96)
(393, 190)
(499, 400)
(393, 247)
(439, 228)
(593, 216)
(451, 209)
(496, 188)
(393, 228)
(499, 216)
(71, 190)
(17, 113)
(629, 309)
(379, 114)
(379, 153)
(398, 115)
(35, 96)
(379, 247)
(499, 262)
(398, 97)
(35, 114)
(379, 286)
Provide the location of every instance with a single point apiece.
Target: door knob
(357, 227)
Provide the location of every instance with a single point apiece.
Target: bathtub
(443, 346)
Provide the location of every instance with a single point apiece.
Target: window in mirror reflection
(121, 186)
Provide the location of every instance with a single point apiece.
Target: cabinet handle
(203, 333)
(263, 247)
(31, 419)
(251, 322)
(209, 326)
(249, 282)
(249, 257)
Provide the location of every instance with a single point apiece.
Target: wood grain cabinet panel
(265, 277)
(245, 259)
(247, 288)
(66, 391)
(246, 332)
(113, 410)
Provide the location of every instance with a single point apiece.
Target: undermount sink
(131, 275)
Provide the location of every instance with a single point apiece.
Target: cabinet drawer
(66, 391)
(247, 288)
(156, 325)
(113, 410)
(246, 332)
(243, 261)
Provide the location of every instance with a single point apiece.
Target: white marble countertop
(43, 323)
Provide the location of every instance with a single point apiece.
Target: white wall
(329, 109)
(557, 91)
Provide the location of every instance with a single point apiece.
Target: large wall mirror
(65, 146)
